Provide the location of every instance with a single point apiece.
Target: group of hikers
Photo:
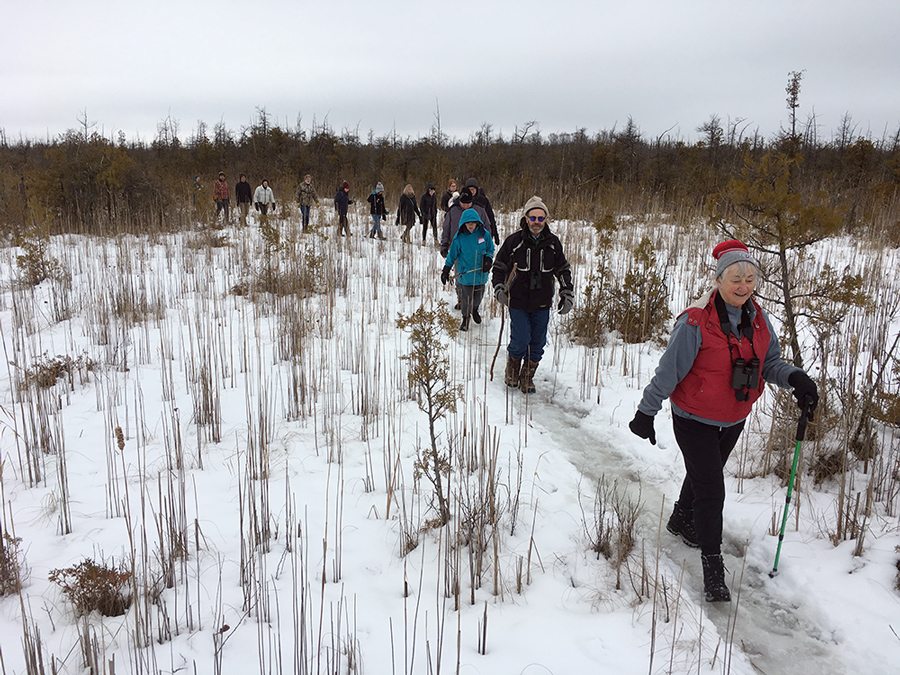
(262, 198)
(721, 351)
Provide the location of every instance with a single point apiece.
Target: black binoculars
(744, 376)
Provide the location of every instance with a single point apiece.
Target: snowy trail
(774, 635)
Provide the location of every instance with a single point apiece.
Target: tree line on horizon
(84, 182)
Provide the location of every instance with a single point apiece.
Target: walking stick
(805, 415)
(509, 280)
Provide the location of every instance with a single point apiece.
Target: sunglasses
(536, 219)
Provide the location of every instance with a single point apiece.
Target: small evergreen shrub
(34, 263)
(90, 586)
(635, 305)
(429, 379)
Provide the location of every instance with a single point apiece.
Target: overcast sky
(384, 65)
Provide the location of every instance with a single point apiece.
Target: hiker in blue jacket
(472, 250)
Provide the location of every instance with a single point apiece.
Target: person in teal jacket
(473, 251)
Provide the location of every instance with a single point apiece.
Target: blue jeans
(304, 211)
(528, 333)
(376, 228)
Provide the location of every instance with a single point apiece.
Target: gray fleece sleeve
(775, 369)
(674, 364)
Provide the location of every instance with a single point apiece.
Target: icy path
(777, 636)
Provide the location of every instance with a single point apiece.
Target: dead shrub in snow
(46, 371)
(897, 580)
(827, 465)
(92, 586)
(12, 566)
(611, 529)
(207, 238)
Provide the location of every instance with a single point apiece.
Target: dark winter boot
(513, 366)
(526, 377)
(714, 579)
(464, 325)
(681, 524)
(476, 317)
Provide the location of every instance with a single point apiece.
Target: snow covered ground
(288, 532)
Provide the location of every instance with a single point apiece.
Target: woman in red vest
(721, 352)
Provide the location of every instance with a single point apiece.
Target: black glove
(566, 300)
(642, 425)
(256, 204)
(486, 264)
(804, 390)
(501, 294)
(445, 275)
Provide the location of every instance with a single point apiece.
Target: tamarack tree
(768, 209)
(429, 376)
(778, 222)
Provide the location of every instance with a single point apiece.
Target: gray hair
(742, 265)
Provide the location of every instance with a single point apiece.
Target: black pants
(220, 205)
(425, 221)
(469, 298)
(705, 449)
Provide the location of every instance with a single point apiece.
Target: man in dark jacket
(342, 203)
(480, 199)
(428, 208)
(523, 279)
(244, 196)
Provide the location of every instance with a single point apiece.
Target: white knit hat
(536, 203)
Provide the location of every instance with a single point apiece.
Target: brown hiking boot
(526, 377)
(512, 371)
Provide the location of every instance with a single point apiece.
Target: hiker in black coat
(428, 206)
(378, 211)
(480, 199)
(524, 277)
(407, 211)
(342, 204)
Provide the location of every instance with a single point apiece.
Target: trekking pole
(509, 280)
(805, 415)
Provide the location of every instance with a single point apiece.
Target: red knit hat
(729, 252)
